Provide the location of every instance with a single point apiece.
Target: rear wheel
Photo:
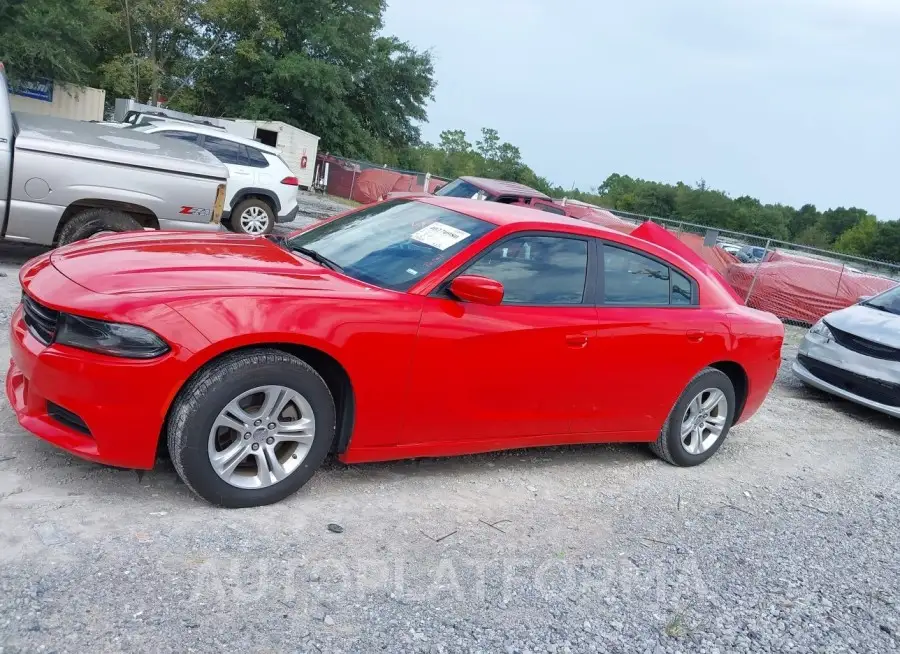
(91, 222)
(253, 217)
(699, 422)
(251, 428)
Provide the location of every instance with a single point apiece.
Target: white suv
(261, 189)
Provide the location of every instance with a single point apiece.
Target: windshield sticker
(440, 236)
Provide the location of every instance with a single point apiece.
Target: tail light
(291, 181)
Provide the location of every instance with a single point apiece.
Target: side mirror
(477, 289)
(864, 298)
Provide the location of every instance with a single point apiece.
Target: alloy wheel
(261, 437)
(254, 220)
(704, 420)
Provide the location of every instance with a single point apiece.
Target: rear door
(484, 373)
(233, 155)
(653, 337)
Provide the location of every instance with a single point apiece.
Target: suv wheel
(253, 217)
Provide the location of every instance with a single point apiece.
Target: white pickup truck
(65, 180)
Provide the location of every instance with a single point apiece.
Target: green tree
(835, 222)
(804, 218)
(886, 245)
(813, 236)
(859, 239)
(50, 39)
(324, 66)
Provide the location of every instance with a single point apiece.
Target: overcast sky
(790, 101)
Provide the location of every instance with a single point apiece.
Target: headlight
(821, 329)
(114, 339)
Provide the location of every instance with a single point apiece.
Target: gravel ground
(784, 541)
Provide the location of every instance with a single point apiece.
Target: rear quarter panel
(758, 337)
(36, 207)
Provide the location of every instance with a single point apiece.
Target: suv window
(632, 279)
(227, 152)
(537, 270)
(190, 137)
(257, 160)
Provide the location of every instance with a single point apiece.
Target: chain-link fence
(798, 283)
(365, 182)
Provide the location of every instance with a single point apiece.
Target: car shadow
(15, 254)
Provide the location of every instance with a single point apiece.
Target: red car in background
(427, 327)
(489, 190)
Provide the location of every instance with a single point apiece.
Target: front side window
(392, 244)
(632, 279)
(459, 188)
(537, 270)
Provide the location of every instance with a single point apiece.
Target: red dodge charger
(409, 328)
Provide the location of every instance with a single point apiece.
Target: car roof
(502, 187)
(182, 126)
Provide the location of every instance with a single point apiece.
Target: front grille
(872, 389)
(66, 417)
(864, 345)
(41, 320)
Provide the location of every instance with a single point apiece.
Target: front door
(518, 369)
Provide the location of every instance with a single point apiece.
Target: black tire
(93, 221)
(206, 394)
(669, 446)
(250, 204)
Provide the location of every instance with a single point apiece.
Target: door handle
(576, 340)
(695, 336)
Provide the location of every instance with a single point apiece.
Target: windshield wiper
(315, 256)
(878, 307)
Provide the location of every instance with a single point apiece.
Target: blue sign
(35, 90)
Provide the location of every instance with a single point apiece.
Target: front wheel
(699, 422)
(251, 428)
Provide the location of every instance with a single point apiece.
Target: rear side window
(537, 270)
(682, 289)
(227, 152)
(257, 160)
(181, 136)
(549, 208)
(632, 279)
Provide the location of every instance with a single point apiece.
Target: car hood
(176, 262)
(866, 322)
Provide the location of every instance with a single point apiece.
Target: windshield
(392, 244)
(888, 301)
(461, 189)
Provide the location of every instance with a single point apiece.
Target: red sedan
(409, 328)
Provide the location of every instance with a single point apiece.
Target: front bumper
(121, 402)
(860, 375)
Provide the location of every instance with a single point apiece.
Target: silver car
(854, 353)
